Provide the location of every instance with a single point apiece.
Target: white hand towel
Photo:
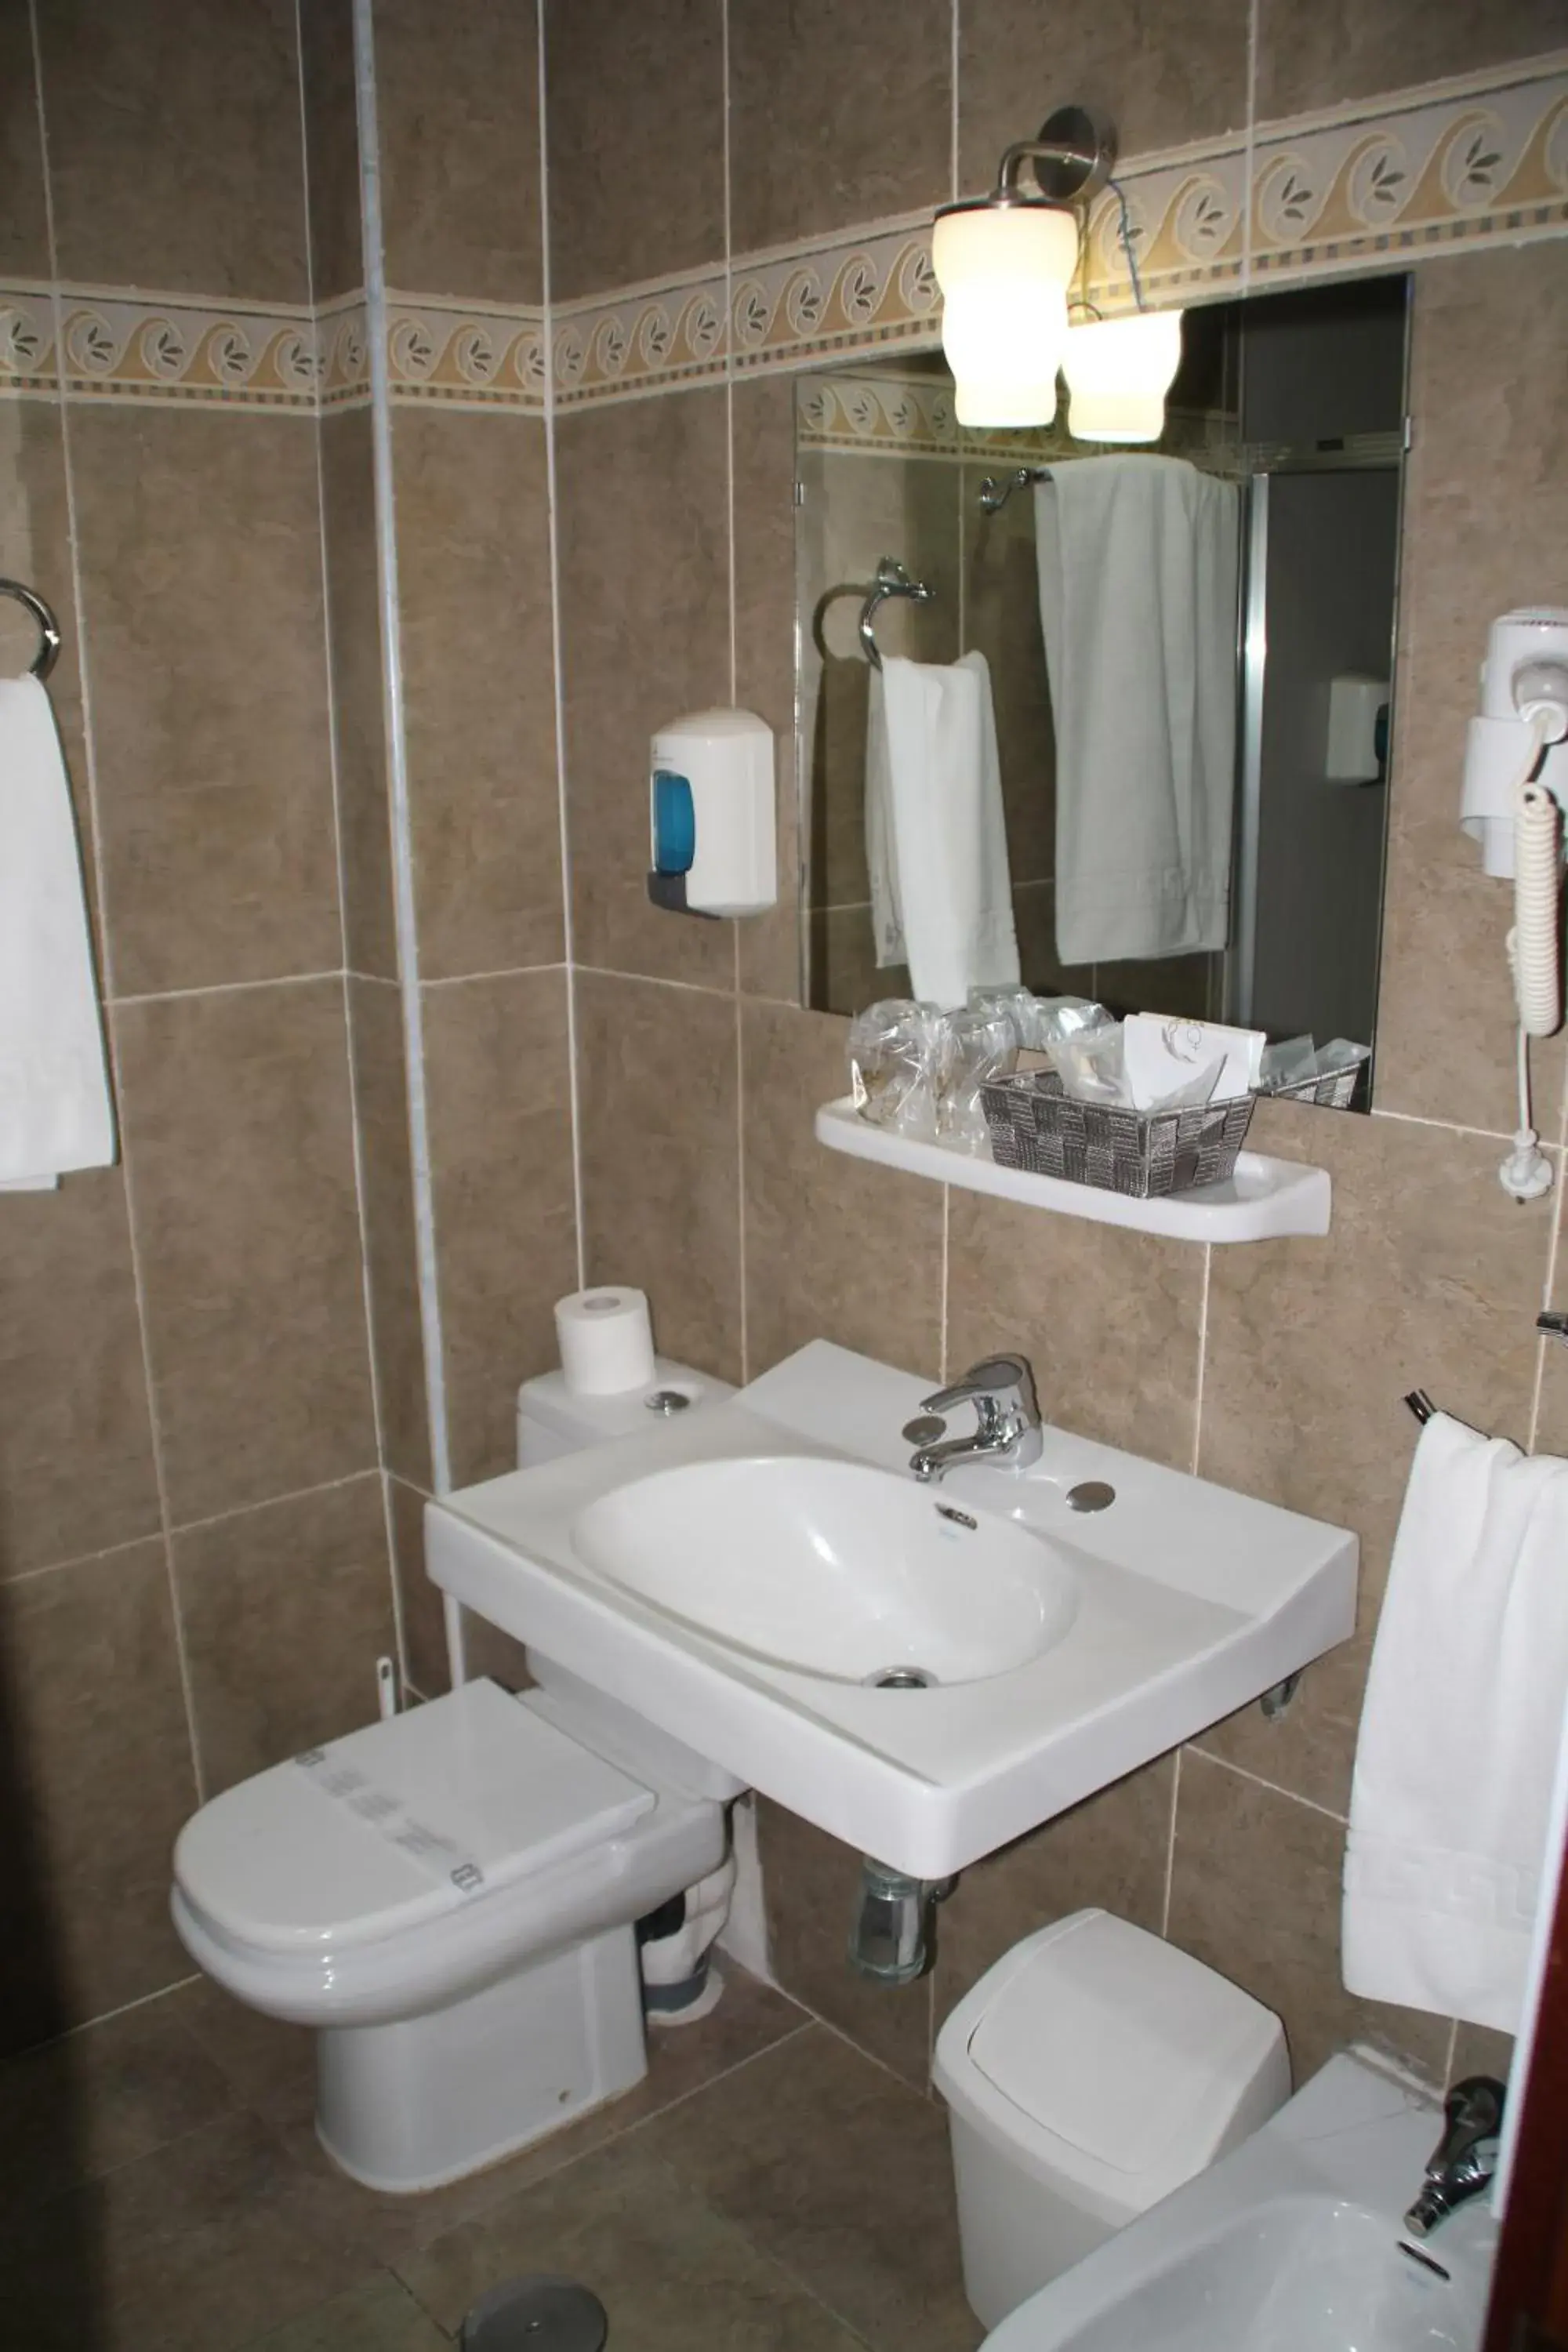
(55, 1110)
(1459, 1732)
(936, 834)
(1138, 564)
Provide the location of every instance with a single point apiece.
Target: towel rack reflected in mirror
(48, 627)
(892, 579)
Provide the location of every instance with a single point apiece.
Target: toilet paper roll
(606, 1342)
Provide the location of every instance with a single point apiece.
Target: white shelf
(1264, 1199)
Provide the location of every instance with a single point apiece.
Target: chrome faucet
(1463, 2162)
(1002, 1391)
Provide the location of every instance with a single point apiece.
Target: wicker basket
(1336, 1089)
(1035, 1125)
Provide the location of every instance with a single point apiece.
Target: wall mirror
(1183, 810)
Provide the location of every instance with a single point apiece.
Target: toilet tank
(550, 1421)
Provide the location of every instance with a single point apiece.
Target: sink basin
(1291, 2244)
(733, 1577)
(833, 1568)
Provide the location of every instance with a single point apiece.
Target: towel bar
(48, 627)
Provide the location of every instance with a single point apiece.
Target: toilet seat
(378, 1832)
(377, 1876)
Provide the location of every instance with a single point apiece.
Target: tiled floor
(768, 2189)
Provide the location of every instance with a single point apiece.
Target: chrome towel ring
(892, 579)
(48, 627)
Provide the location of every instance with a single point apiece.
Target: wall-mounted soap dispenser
(710, 808)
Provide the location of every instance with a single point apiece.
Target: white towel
(1138, 563)
(55, 1110)
(1459, 1732)
(936, 833)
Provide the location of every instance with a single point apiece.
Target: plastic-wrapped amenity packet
(1089, 1065)
(978, 1044)
(895, 1055)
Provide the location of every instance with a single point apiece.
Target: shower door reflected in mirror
(1288, 410)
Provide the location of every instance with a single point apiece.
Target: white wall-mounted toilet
(449, 1898)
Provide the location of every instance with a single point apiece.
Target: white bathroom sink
(1290, 2245)
(833, 1568)
(735, 1577)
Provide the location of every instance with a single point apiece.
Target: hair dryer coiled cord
(1532, 953)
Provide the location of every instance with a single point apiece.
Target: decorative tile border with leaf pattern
(1361, 187)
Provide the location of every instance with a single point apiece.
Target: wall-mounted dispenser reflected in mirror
(1133, 745)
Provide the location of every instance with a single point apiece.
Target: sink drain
(899, 1679)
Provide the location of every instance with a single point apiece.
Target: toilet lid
(396, 1824)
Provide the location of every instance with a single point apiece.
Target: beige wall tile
(98, 1780)
(380, 1106)
(457, 104)
(500, 1150)
(1485, 518)
(1479, 2051)
(359, 721)
(174, 148)
(1321, 56)
(285, 1611)
(24, 225)
(418, 1601)
(1255, 1890)
(1163, 75)
(645, 615)
(201, 555)
(1430, 1277)
(657, 1106)
(479, 691)
(76, 1449)
(813, 1888)
(237, 1115)
(634, 101)
(836, 1249)
(822, 132)
(331, 148)
(1111, 1852)
(1108, 1319)
(764, 430)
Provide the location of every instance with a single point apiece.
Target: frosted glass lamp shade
(1003, 271)
(1119, 371)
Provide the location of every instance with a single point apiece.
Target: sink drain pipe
(890, 1935)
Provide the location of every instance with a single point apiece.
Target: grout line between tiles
(1224, 1764)
(1448, 1126)
(229, 987)
(1170, 1845)
(270, 1502)
(107, 2017)
(653, 979)
(138, 1278)
(558, 675)
(82, 1559)
(504, 971)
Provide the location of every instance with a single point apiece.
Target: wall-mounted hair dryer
(1516, 789)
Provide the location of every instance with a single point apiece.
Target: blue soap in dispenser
(710, 798)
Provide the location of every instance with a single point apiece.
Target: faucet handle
(1000, 1385)
(1472, 2115)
